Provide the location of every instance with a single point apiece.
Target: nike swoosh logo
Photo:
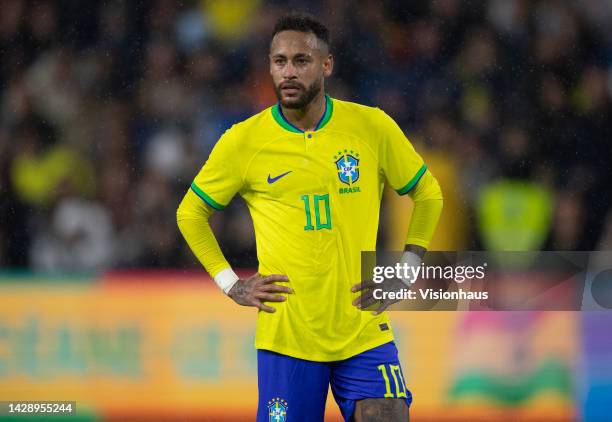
(274, 179)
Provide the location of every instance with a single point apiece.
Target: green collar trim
(329, 109)
(277, 113)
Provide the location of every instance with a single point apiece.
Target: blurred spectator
(568, 223)
(514, 215)
(79, 238)
(40, 165)
(105, 122)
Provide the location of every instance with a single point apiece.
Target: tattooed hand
(258, 289)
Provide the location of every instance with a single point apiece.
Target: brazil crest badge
(277, 410)
(347, 164)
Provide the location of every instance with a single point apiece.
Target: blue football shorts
(292, 389)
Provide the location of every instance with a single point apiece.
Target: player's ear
(328, 65)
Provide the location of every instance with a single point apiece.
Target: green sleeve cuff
(211, 202)
(412, 183)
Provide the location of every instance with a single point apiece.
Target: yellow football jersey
(314, 198)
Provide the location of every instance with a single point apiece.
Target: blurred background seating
(108, 110)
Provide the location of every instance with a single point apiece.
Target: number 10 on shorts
(396, 373)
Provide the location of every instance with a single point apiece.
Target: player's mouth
(290, 89)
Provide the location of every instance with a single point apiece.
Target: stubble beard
(303, 100)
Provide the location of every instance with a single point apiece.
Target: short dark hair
(303, 23)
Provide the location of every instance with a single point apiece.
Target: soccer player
(312, 170)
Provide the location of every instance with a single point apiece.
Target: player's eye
(279, 61)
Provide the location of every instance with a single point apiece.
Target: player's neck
(306, 118)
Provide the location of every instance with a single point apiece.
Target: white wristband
(411, 260)
(226, 279)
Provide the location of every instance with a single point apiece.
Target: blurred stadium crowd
(109, 108)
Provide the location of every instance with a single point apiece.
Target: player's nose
(289, 71)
